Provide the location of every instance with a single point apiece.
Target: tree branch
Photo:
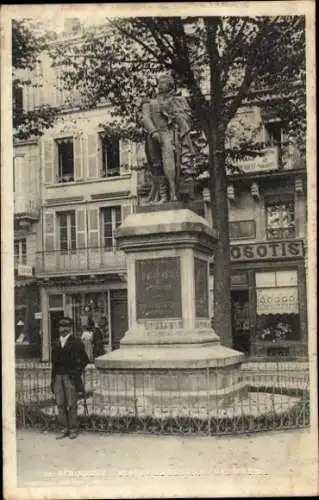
(130, 35)
(250, 74)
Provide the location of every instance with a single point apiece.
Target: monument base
(170, 361)
(162, 380)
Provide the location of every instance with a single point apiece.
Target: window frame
(20, 257)
(114, 225)
(282, 232)
(106, 170)
(71, 238)
(61, 176)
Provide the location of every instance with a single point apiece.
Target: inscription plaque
(158, 288)
(201, 288)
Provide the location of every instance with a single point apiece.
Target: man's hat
(65, 321)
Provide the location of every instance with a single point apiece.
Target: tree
(237, 57)
(27, 43)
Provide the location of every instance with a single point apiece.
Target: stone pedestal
(170, 357)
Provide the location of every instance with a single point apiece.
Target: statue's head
(165, 83)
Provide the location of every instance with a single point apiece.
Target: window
(280, 220)
(242, 229)
(111, 220)
(110, 156)
(65, 160)
(56, 301)
(273, 133)
(20, 252)
(67, 231)
(17, 100)
(277, 306)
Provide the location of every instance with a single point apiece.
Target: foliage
(28, 41)
(222, 63)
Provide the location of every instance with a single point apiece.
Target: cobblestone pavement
(110, 465)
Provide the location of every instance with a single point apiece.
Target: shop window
(55, 301)
(110, 156)
(280, 220)
(242, 229)
(67, 231)
(111, 220)
(239, 280)
(65, 155)
(21, 325)
(20, 252)
(278, 317)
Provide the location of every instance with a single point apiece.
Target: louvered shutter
(125, 156)
(80, 228)
(92, 156)
(50, 80)
(78, 157)
(49, 230)
(48, 155)
(93, 228)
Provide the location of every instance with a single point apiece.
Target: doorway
(55, 317)
(240, 321)
(119, 316)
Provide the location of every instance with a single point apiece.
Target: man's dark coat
(70, 360)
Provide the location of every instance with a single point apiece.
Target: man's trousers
(66, 399)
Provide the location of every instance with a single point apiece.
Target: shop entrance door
(55, 317)
(240, 321)
(119, 316)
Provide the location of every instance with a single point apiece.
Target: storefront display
(277, 306)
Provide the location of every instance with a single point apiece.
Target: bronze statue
(169, 145)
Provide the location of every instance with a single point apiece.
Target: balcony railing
(80, 261)
(283, 233)
(26, 207)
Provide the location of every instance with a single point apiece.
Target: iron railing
(26, 206)
(282, 233)
(277, 397)
(89, 259)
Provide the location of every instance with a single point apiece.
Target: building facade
(75, 186)
(27, 202)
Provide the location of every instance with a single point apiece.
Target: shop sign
(266, 251)
(38, 315)
(268, 160)
(25, 271)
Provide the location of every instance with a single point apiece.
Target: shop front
(268, 294)
(27, 322)
(99, 307)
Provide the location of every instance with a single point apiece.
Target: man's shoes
(63, 435)
(73, 435)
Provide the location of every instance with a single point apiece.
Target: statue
(169, 146)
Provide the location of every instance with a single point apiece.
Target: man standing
(68, 362)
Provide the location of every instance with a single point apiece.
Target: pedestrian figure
(68, 362)
(99, 337)
(87, 339)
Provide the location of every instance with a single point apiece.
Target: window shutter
(126, 211)
(93, 227)
(125, 156)
(78, 157)
(49, 76)
(80, 228)
(48, 154)
(49, 229)
(92, 156)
